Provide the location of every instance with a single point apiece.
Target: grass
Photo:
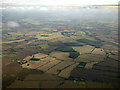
(21, 62)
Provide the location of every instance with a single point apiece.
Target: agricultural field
(99, 51)
(40, 55)
(48, 36)
(49, 65)
(90, 58)
(33, 64)
(66, 72)
(90, 65)
(48, 59)
(59, 67)
(60, 48)
(61, 55)
(84, 49)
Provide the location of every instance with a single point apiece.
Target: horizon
(60, 3)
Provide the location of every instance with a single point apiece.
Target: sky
(62, 2)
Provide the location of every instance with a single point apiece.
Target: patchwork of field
(49, 65)
(49, 81)
(66, 72)
(37, 81)
(44, 45)
(90, 58)
(103, 71)
(58, 68)
(59, 63)
(94, 55)
(33, 64)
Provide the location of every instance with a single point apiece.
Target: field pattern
(59, 67)
(59, 63)
(66, 72)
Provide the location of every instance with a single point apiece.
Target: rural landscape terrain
(60, 47)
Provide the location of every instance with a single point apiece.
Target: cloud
(62, 2)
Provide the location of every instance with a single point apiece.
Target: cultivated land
(60, 49)
(84, 49)
(61, 55)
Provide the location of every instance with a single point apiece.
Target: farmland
(60, 49)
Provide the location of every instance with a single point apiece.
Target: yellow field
(49, 65)
(48, 59)
(40, 55)
(99, 51)
(66, 72)
(89, 58)
(13, 41)
(90, 65)
(33, 64)
(61, 55)
(59, 67)
(84, 49)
